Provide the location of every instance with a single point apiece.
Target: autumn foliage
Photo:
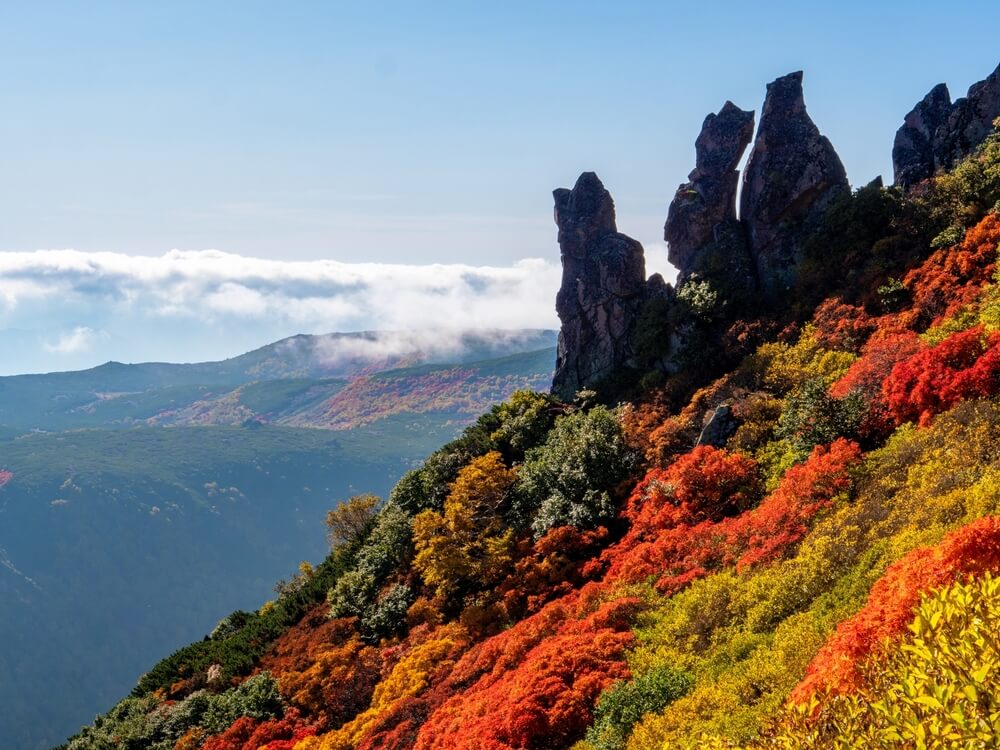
(250, 734)
(973, 549)
(965, 365)
(678, 544)
(535, 685)
(559, 565)
(953, 276)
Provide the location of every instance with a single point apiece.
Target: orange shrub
(972, 549)
(952, 277)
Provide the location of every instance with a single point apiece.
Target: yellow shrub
(782, 367)
(935, 690)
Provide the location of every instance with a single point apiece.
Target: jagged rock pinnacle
(708, 199)
(790, 179)
(937, 133)
(970, 121)
(603, 287)
(913, 147)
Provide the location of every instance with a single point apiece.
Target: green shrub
(388, 544)
(387, 616)
(256, 697)
(811, 417)
(231, 624)
(625, 703)
(567, 480)
(353, 594)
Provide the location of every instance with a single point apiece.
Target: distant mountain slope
(120, 395)
(113, 543)
(461, 391)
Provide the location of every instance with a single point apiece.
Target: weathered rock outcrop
(705, 204)
(913, 147)
(969, 123)
(790, 179)
(719, 425)
(603, 288)
(937, 133)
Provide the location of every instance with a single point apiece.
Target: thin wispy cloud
(80, 339)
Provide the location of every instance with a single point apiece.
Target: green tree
(568, 479)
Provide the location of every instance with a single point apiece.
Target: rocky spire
(936, 133)
(708, 200)
(913, 148)
(603, 287)
(790, 179)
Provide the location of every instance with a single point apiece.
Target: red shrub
(964, 365)
(877, 359)
(972, 549)
(337, 683)
(842, 326)
(953, 276)
(535, 685)
(396, 729)
(866, 375)
(250, 734)
(296, 649)
(678, 552)
(234, 738)
(706, 484)
(552, 567)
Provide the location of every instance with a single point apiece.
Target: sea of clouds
(67, 308)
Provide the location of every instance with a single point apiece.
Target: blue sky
(406, 133)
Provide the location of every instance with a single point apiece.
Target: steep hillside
(228, 493)
(760, 509)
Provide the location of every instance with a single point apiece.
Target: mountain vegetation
(774, 524)
(138, 506)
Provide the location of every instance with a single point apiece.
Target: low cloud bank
(82, 308)
(208, 285)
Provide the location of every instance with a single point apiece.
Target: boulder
(719, 425)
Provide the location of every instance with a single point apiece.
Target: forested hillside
(760, 508)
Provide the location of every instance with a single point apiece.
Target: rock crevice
(707, 201)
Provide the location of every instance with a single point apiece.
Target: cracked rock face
(603, 287)
(937, 133)
(708, 199)
(792, 176)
